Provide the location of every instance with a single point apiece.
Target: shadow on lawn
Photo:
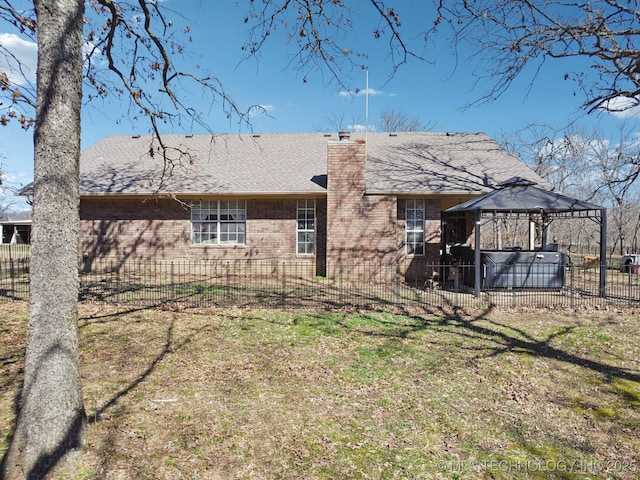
(169, 346)
(498, 339)
(476, 326)
(520, 341)
(510, 339)
(501, 338)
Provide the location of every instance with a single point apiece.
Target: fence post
(12, 272)
(117, 272)
(629, 283)
(514, 286)
(228, 280)
(571, 286)
(172, 283)
(456, 283)
(284, 283)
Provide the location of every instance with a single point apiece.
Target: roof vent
(344, 135)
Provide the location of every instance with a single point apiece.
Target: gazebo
(520, 198)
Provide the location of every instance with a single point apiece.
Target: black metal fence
(14, 271)
(276, 283)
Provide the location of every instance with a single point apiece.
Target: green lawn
(270, 394)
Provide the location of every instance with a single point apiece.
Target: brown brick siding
(133, 228)
(160, 228)
(414, 267)
(360, 228)
(370, 229)
(352, 227)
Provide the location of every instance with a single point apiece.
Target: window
(306, 217)
(218, 222)
(414, 217)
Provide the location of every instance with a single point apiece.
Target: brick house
(313, 198)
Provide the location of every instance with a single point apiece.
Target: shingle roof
(418, 163)
(16, 217)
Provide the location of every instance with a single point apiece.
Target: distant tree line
(589, 165)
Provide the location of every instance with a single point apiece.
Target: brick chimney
(345, 167)
(345, 192)
(360, 228)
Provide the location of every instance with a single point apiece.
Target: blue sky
(434, 91)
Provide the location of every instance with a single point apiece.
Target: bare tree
(617, 167)
(588, 165)
(137, 42)
(398, 121)
(556, 155)
(389, 121)
(510, 37)
(4, 203)
(339, 122)
(321, 31)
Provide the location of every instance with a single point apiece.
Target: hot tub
(523, 269)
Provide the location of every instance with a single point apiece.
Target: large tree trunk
(51, 414)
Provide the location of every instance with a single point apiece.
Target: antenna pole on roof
(366, 109)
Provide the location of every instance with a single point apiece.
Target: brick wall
(160, 228)
(352, 227)
(370, 229)
(415, 268)
(360, 228)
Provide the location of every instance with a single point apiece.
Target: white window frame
(305, 226)
(414, 210)
(218, 222)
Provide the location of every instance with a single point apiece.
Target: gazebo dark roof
(520, 195)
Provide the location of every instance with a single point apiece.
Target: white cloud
(360, 93)
(623, 107)
(17, 53)
(360, 128)
(18, 59)
(261, 110)
(90, 51)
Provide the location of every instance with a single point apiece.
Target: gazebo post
(603, 252)
(477, 279)
(532, 233)
(545, 227)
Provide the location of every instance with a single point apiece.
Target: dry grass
(270, 394)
